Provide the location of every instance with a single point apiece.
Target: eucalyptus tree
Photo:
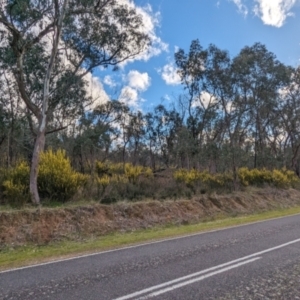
(199, 73)
(4, 127)
(12, 115)
(259, 77)
(151, 138)
(129, 131)
(48, 46)
(219, 85)
(160, 134)
(95, 134)
(166, 125)
(136, 130)
(289, 121)
(191, 69)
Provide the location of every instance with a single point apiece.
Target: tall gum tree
(288, 111)
(260, 77)
(48, 46)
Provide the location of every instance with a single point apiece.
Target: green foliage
(203, 179)
(186, 176)
(102, 168)
(15, 184)
(56, 179)
(121, 172)
(279, 178)
(122, 181)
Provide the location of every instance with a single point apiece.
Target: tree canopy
(234, 112)
(48, 46)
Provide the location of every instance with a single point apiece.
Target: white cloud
(274, 12)
(271, 12)
(205, 100)
(138, 81)
(242, 8)
(95, 90)
(150, 20)
(129, 96)
(169, 74)
(109, 81)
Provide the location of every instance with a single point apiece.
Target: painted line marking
(177, 286)
(142, 245)
(155, 287)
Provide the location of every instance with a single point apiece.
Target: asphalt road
(258, 261)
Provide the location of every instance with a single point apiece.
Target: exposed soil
(74, 223)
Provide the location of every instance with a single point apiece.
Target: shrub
(255, 176)
(132, 173)
(220, 181)
(102, 168)
(204, 180)
(129, 171)
(188, 177)
(278, 178)
(102, 183)
(292, 177)
(57, 180)
(122, 181)
(15, 184)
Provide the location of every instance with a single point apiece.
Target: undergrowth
(58, 182)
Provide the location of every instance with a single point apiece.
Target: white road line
(177, 286)
(142, 245)
(176, 280)
(155, 287)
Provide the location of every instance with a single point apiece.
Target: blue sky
(229, 24)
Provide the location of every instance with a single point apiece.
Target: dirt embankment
(75, 223)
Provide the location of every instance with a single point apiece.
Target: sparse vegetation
(113, 182)
(234, 129)
(57, 180)
(33, 253)
(205, 181)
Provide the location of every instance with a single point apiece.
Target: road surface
(257, 261)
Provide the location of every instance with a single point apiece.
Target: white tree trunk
(38, 148)
(41, 135)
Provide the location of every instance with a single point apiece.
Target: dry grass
(85, 221)
(33, 254)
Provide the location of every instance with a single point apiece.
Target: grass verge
(32, 254)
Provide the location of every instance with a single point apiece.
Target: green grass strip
(32, 254)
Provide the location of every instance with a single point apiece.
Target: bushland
(59, 182)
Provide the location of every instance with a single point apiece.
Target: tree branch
(57, 129)
(59, 16)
